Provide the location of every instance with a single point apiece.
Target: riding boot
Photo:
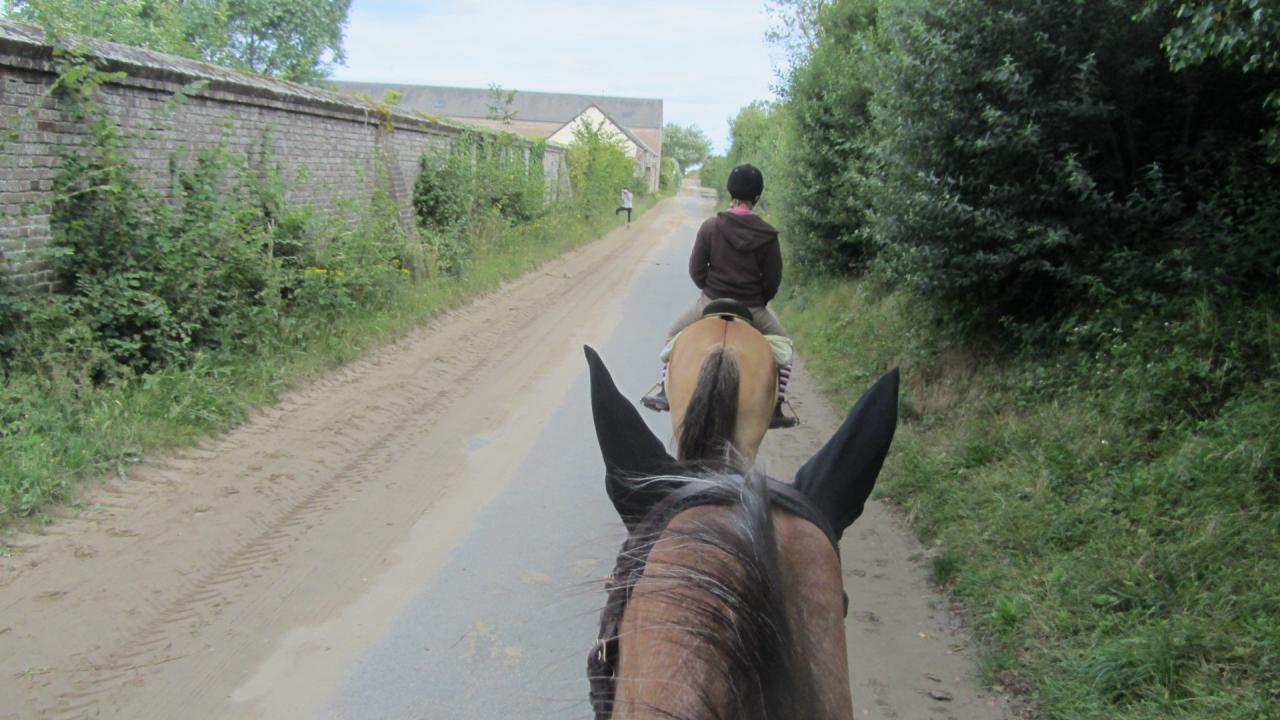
(781, 419)
(656, 398)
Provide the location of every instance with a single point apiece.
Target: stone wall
(328, 146)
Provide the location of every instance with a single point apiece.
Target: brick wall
(327, 145)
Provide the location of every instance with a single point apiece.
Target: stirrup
(781, 420)
(656, 398)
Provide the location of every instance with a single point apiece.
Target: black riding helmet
(746, 183)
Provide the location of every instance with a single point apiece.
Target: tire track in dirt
(156, 599)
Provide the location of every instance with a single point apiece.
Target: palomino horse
(722, 384)
(727, 601)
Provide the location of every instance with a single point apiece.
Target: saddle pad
(783, 349)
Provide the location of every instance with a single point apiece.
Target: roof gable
(614, 124)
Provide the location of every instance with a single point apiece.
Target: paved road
(504, 628)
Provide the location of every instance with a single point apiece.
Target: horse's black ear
(632, 453)
(839, 478)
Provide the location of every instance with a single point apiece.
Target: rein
(602, 661)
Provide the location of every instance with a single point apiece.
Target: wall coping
(27, 47)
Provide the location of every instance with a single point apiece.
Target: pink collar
(739, 211)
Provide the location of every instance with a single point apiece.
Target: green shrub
(827, 203)
(714, 173)
(599, 168)
(440, 192)
(1110, 514)
(1042, 157)
(481, 176)
(669, 179)
(1019, 164)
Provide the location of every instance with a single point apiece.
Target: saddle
(602, 660)
(727, 309)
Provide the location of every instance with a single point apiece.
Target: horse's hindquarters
(756, 378)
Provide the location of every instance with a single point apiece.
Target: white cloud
(706, 60)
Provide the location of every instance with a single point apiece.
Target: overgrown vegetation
(299, 40)
(190, 298)
(482, 179)
(1110, 516)
(599, 168)
(1060, 219)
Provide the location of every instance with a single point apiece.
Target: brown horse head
(727, 598)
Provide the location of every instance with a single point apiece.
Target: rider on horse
(736, 256)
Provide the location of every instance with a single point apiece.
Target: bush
(827, 213)
(759, 134)
(481, 175)
(1109, 516)
(598, 170)
(1042, 157)
(714, 173)
(670, 178)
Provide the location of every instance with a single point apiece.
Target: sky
(706, 59)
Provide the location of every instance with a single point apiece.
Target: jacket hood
(746, 232)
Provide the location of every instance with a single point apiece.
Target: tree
(189, 29)
(1236, 33)
(1039, 161)
(832, 169)
(500, 101)
(599, 166)
(687, 145)
(297, 40)
(795, 29)
(759, 134)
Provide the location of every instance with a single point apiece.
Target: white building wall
(564, 135)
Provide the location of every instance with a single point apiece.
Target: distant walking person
(626, 204)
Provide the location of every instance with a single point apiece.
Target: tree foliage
(599, 167)
(688, 145)
(499, 105)
(1236, 33)
(830, 102)
(760, 135)
(189, 29)
(1042, 158)
(1022, 164)
(794, 30)
(714, 173)
(296, 40)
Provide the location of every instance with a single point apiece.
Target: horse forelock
(715, 593)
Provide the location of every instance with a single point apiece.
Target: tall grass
(1109, 513)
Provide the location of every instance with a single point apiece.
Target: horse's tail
(706, 433)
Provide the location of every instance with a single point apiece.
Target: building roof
(630, 135)
(528, 105)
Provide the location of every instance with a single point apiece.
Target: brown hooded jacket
(737, 256)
